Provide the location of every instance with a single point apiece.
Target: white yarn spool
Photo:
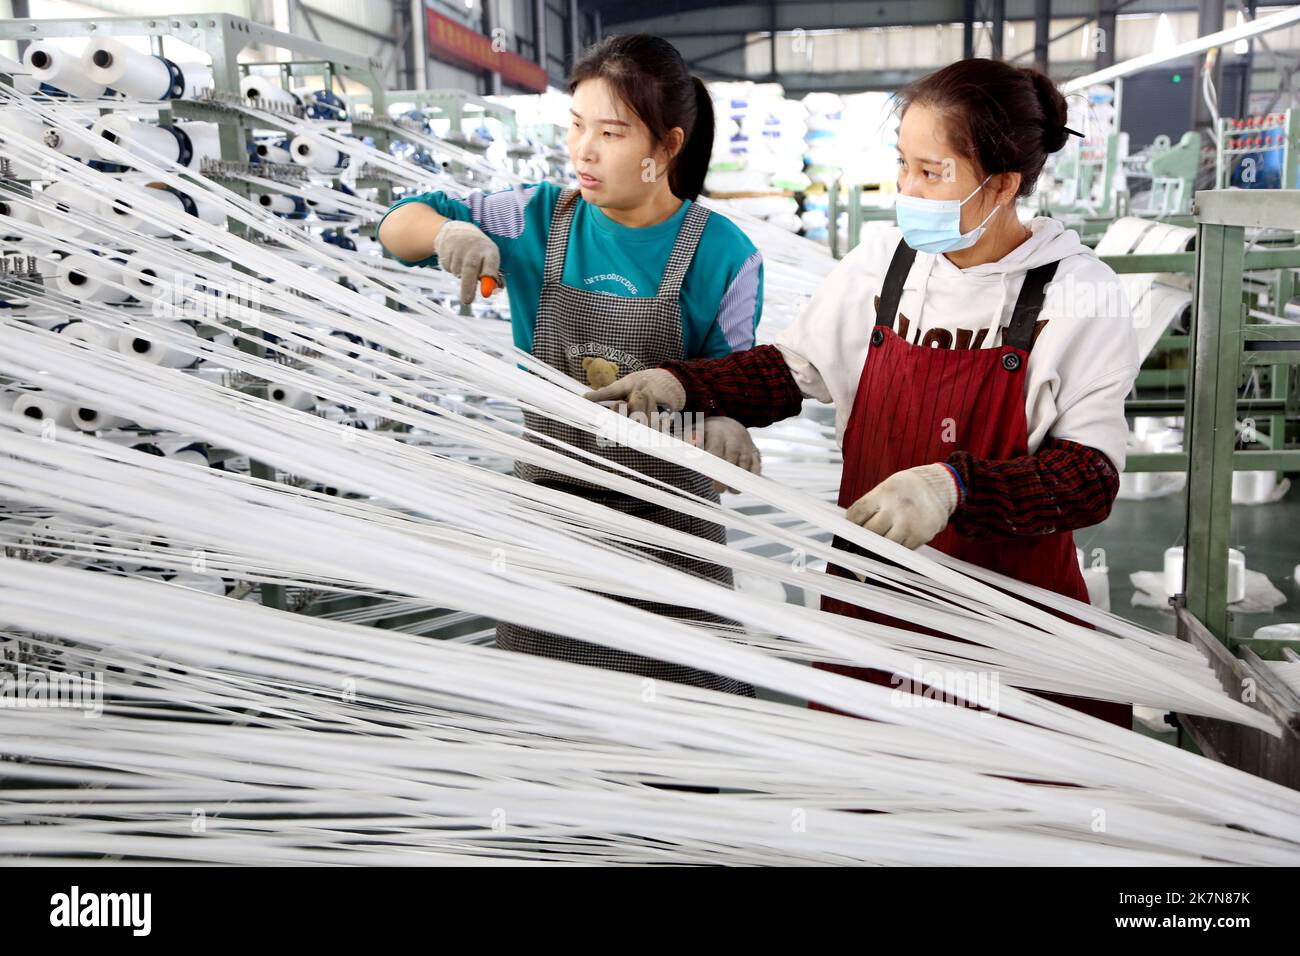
(62, 70)
(88, 418)
(207, 583)
(139, 343)
(138, 75)
(22, 126)
(142, 277)
(292, 397)
(152, 142)
(1289, 631)
(1253, 487)
(263, 90)
(78, 144)
(310, 152)
(1173, 573)
(152, 224)
(90, 279)
(273, 154)
(225, 339)
(191, 454)
(1173, 570)
(325, 207)
(14, 531)
(123, 211)
(276, 202)
(198, 78)
(89, 333)
(209, 212)
(206, 140)
(1097, 578)
(146, 140)
(1236, 576)
(62, 205)
(56, 532)
(15, 212)
(42, 407)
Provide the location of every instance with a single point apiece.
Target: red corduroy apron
(915, 405)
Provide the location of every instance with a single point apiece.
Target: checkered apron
(633, 334)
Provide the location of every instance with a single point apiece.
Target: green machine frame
(1224, 344)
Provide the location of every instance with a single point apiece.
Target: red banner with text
(447, 38)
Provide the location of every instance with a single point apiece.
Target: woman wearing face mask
(978, 365)
(623, 274)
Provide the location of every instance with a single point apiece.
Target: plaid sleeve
(753, 386)
(1062, 487)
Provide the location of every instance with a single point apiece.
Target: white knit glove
(464, 250)
(729, 440)
(645, 392)
(909, 507)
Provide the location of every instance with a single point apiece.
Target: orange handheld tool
(487, 285)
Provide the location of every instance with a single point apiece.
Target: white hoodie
(1080, 369)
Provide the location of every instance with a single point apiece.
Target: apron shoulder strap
(688, 238)
(1020, 333)
(892, 289)
(557, 236)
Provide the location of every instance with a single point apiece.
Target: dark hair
(649, 75)
(1005, 119)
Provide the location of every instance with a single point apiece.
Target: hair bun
(1054, 110)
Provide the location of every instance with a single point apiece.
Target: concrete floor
(1137, 533)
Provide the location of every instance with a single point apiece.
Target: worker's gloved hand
(730, 441)
(909, 507)
(645, 393)
(464, 250)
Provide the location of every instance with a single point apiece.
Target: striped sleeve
(741, 305)
(499, 214)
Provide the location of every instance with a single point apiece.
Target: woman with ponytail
(617, 276)
(978, 363)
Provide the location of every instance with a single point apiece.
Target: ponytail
(692, 164)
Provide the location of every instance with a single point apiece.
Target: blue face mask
(934, 225)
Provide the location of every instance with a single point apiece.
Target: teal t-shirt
(722, 292)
